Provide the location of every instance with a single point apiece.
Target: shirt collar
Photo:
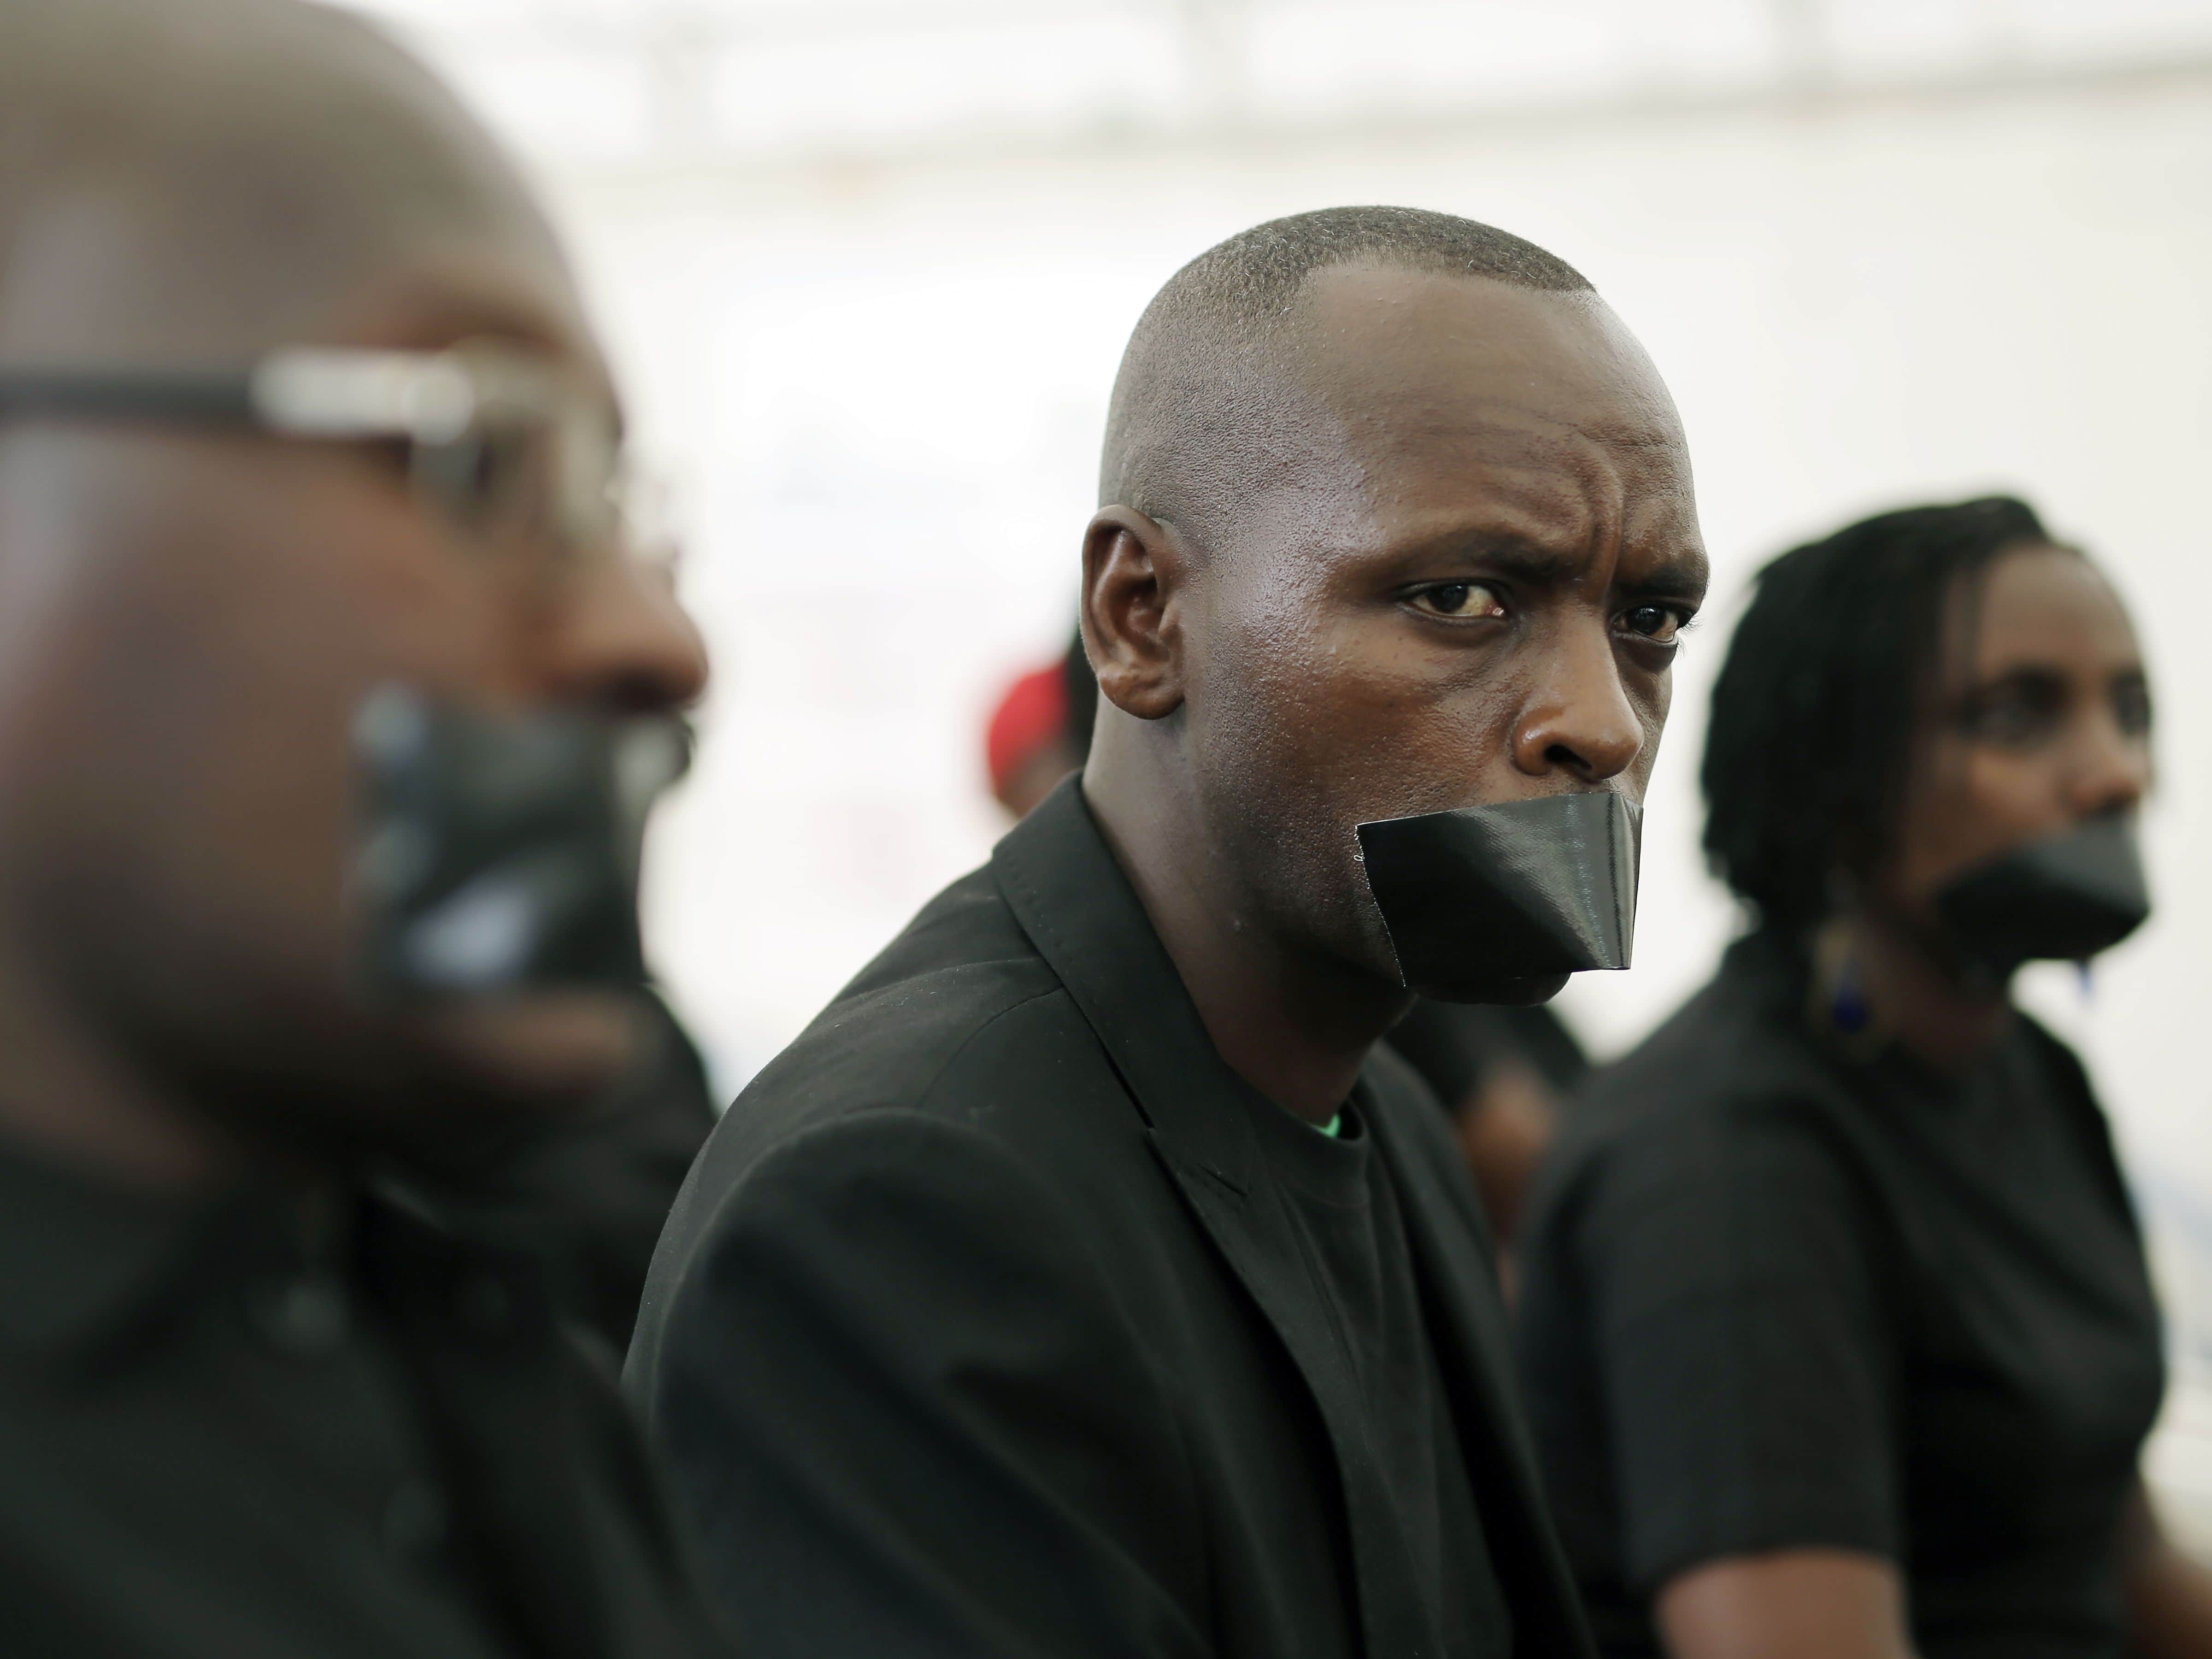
(91, 1261)
(86, 1255)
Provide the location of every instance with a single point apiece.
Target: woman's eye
(2021, 709)
(1459, 599)
(2014, 718)
(1658, 623)
(2131, 708)
(2013, 725)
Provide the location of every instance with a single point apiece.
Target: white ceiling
(624, 81)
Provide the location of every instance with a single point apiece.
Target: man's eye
(1458, 599)
(492, 482)
(1659, 624)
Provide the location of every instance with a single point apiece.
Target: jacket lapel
(1252, 1231)
(1467, 1328)
(1078, 908)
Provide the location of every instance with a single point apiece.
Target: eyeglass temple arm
(301, 391)
(222, 399)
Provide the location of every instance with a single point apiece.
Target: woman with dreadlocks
(1836, 1327)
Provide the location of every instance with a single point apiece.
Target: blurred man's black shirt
(245, 1428)
(588, 1194)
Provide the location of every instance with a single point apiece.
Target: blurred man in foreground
(1082, 1282)
(589, 1192)
(248, 1404)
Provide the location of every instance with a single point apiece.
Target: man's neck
(67, 1096)
(1295, 1026)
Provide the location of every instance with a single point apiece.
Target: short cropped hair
(1813, 712)
(1200, 382)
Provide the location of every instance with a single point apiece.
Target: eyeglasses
(503, 442)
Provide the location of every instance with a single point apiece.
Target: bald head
(195, 180)
(1208, 407)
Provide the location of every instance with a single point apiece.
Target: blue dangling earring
(1838, 1002)
(1849, 1011)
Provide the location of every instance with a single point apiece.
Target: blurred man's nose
(1579, 719)
(624, 643)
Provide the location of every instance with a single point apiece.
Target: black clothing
(1775, 1297)
(588, 1194)
(1455, 1046)
(229, 1430)
(985, 1325)
(1346, 1219)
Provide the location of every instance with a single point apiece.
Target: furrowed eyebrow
(1505, 554)
(1678, 579)
(1531, 565)
(1495, 554)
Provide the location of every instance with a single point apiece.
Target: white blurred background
(867, 266)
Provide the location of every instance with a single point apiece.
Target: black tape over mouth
(499, 853)
(1501, 903)
(2063, 898)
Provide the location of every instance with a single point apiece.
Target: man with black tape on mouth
(317, 621)
(1079, 1283)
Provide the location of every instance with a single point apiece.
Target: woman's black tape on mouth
(500, 852)
(1500, 903)
(2063, 898)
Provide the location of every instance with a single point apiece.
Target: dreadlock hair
(1814, 711)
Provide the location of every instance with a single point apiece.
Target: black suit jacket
(980, 1326)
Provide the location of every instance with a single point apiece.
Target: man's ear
(1134, 574)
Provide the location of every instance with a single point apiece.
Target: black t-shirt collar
(1332, 1169)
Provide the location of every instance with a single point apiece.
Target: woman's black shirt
(1776, 1298)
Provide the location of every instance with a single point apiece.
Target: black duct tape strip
(499, 853)
(1500, 903)
(2061, 899)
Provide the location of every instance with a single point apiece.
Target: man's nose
(1579, 719)
(623, 643)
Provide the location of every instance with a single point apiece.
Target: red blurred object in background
(1027, 747)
